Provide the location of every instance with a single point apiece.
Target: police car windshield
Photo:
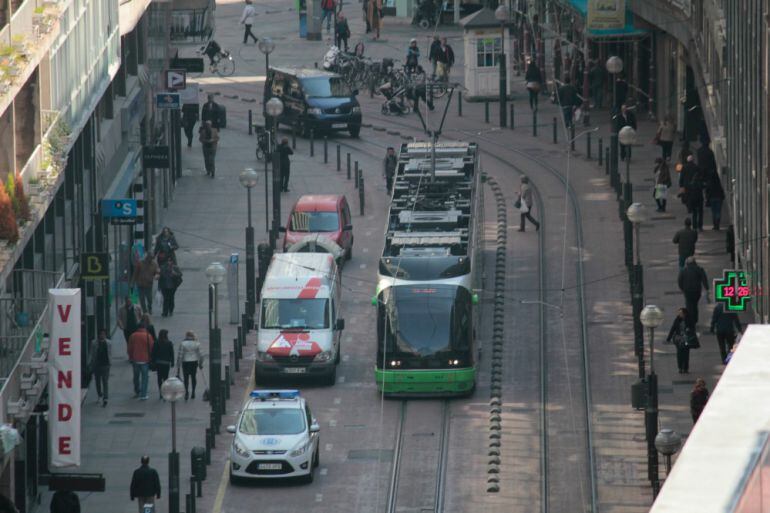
(272, 421)
(315, 222)
(295, 313)
(326, 87)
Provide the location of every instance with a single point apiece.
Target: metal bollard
(231, 354)
(339, 159)
(355, 175)
(208, 446)
(460, 104)
(588, 145)
(361, 196)
(312, 143)
(293, 137)
(512, 123)
(315, 64)
(326, 150)
(199, 486)
(234, 352)
(227, 383)
(486, 111)
(348, 159)
(572, 136)
(555, 133)
(601, 151)
(192, 495)
(188, 503)
(214, 426)
(534, 123)
(606, 161)
(251, 123)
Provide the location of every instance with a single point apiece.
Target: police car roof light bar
(264, 395)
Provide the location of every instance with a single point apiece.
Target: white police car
(276, 437)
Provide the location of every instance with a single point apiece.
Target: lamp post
(248, 179)
(274, 108)
(215, 273)
(614, 66)
(502, 14)
(637, 214)
(668, 442)
(266, 46)
(627, 137)
(651, 318)
(172, 390)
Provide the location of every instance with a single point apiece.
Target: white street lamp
(668, 442)
(248, 178)
(627, 135)
(266, 45)
(274, 107)
(614, 65)
(215, 272)
(651, 317)
(172, 390)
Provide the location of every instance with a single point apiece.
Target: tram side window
(385, 326)
(461, 319)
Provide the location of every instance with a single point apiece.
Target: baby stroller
(395, 99)
(425, 14)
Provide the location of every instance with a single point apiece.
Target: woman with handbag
(162, 358)
(169, 280)
(682, 335)
(662, 183)
(534, 79)
(665, 136)
(524, 204)
(190, 359)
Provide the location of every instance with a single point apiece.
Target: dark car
(314, 100)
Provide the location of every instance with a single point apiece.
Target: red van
(327, 214)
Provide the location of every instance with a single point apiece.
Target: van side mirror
(374, 300)
(475, 299)
(314, 427)
(231, 429)
(340, 325)
(348, 227)
(282, 229)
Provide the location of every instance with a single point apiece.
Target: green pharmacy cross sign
(732, 290)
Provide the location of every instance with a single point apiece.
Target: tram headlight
(395, 363)
(454, 362)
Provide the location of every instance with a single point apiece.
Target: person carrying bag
(190, 359)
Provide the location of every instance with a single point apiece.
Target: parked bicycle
(221, 61)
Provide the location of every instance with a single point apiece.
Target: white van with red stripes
(300, 328)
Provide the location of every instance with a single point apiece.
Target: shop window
(488, 51)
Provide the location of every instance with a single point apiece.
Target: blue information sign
(168, 101)
(119, 208)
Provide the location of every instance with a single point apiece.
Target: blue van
(314, 100)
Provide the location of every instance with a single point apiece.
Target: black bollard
(588, 145)
(199, 492)
(235, 354)
(227, 383)
(208, 446)
(312, 143)
(361, 197)
(326, 150)
(534, 123)
(293, 137)
(355, 175)
(486, 111)
(339, 159)
(555, 132)
(606, 161)
(251, 123)
(460, 104)
(348, 159)
(601, 151)
(512, 124)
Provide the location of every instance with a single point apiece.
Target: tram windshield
(424, 319)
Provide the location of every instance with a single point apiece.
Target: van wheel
(234, 480)
(354, 130)
(332, 378)
(349, 253)
(316, 459)
(339, 355)
(424, 23)
(309, 478)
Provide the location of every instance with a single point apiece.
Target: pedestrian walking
(284, 152)
(435, 48)
(418, 89)
(725, 324)
(626, 118)
(375, 16)
(63, 501)
(129, 316)
(145, 274)
(328, 8)
(665, 136)
(662, 184)
(190, 117)
(342, 31)
(189, 359)
(597, 77)
(681, 335)
(568, 99)
(412, 56)
(389, 168)
(139, 351)
(101, 360)
(209, 138)
(365, 8)
(446, 59)
(706, 159)
(162, 358)
(715, 196)
(211, 112)
(691, 184)
(166, 246)
(699, 396)
(170, 279)
(621, 92)
(692, 281)
(524, 204)
(247, 20)
(534, 81)
(731, 353)
(145, 484)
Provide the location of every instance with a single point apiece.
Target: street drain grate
(130, 414)
(371, 454)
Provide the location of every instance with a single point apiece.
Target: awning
(629, 30)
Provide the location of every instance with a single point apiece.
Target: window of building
(487, 51)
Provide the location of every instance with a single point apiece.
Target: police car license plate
(294, 370)
(270, 466)
(339, 125)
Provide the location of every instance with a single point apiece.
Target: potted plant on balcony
(19, 44)
(34, 186)
(21, 205)
(9, 230)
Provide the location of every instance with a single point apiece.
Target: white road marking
(362, 266)
(332, 422)
(329, 447)
(337, 400)
(341, 379)
(365, 250)
(319, 497)
(324, 471)
(345, 358)
(368, 233)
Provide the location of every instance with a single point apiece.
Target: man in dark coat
(389, 170)
(685, 239)
(706, 160)
(65, 501)
(446, 59)
(621, 91)
(692, 280)
(189, 119)
(210, 112)
(597, 76)
(568, 100)
(625, 118)
(284, 151)
(145, 484)
(435, 49)
(693, 181)
(725, 324)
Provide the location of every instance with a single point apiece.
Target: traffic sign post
(176, 79)
(168, 101)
